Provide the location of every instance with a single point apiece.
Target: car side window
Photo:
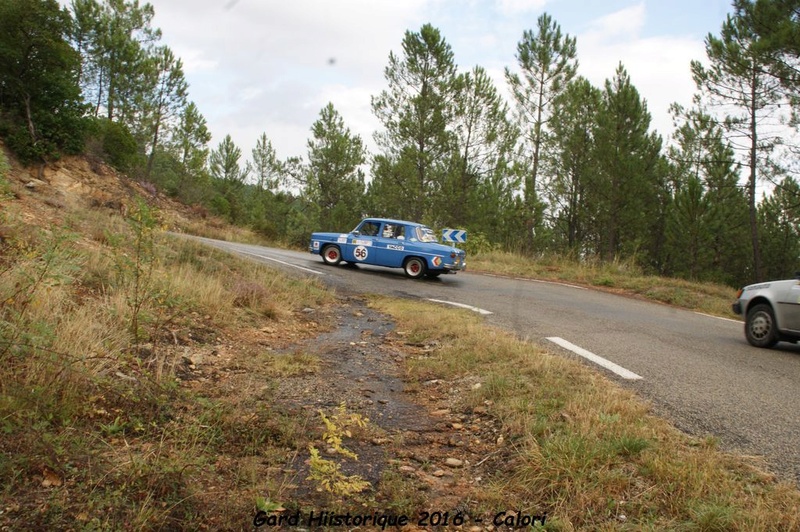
(369, 229)
(400, 232)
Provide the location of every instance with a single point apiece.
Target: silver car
(771, 312)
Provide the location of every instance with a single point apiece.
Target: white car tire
(331, 255)
(414, 267)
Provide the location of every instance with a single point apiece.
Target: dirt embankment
(424, 443)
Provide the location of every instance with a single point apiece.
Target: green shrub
(113, 143)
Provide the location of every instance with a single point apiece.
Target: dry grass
(230, 282)
(96, 432)
(587, 451)
(290, 364)
(217, 229)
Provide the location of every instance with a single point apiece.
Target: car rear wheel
(760, 327)
(414, 268)
(331, 255)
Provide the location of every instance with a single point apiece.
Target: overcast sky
(270, 66)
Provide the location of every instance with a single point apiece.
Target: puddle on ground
(359, 368)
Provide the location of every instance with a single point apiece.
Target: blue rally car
(391, 243)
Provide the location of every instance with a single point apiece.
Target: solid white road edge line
(280, 261)
(550, 282)
(462, 305)
(600, 361)
(718, 317)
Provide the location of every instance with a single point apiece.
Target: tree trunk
(758, 269)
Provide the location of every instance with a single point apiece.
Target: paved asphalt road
(696, 370)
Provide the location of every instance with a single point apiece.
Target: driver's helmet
(388, 231)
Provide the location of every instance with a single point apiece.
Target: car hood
(771, 284)
(331, 235)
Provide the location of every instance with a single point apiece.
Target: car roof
(392, 221)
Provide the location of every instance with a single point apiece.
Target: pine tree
(626, 194)
(779, 224)
(189, 145)
(165, 98)
(416, 111)
(335, 179)
(547, 62)
(737, 81)
(704, 183)
(484, 140)
(114, 37)
(266, 166)
(231, 177)
(571, 163)
(190, 139)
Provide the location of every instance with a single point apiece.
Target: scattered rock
(192, 358)
(33, 184)
(453, 462)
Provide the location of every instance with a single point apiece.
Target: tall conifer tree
(415, 110)
(547, 62)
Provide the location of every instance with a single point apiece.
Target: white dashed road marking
(462, 305)
(600, 361)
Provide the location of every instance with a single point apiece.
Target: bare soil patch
(425, 448)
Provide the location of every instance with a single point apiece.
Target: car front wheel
(414, 268)
(331, 255)
(760, 327)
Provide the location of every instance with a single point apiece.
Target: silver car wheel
(760, 328)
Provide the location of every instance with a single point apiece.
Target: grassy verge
(107, 420)
(622, 277)
(580, 448)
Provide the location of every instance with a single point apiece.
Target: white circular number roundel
(361, 253)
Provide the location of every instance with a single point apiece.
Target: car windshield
(425, 234)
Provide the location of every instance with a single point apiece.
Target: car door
(790, 308)
(390, 245)
(360, 247)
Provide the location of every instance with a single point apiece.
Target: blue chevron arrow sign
(454, 235)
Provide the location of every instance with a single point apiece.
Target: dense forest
(560, 166)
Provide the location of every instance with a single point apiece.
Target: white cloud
(258, 66)
(192, 59)
(624, 25)
(657, 65)
(515, 7)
